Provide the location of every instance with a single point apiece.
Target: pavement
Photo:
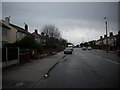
(28, 74)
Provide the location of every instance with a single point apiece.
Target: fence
(10, 56)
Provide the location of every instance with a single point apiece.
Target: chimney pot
(105, 36)
(42, 33)
(111, 33)
(26, 27)
(101, 37)
(36, 31)
(7, 20)
(118, 32)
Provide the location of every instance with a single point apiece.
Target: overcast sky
(77, 21)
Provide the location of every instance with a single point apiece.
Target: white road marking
(99, 56)
(98, 50)
(112, 61)
(108, 60)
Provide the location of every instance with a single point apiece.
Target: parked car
(118, 52)
(84, 48)
(89, 48)
(67, 51)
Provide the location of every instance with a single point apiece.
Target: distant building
(104, 40)
(118, 41)
(100, 41)
(111, 41)
(41, 39)
(44, 39)
(37, 36)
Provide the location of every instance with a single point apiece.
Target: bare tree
(51, 31)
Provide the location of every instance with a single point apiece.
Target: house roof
(36, 34)
(114, 36)
(3, 25)
(19, 29)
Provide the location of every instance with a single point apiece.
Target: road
(84, 69)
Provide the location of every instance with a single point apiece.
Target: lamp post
(106, 32)
(88, 37)
(82, 39)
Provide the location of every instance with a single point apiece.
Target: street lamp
(106, 32)
(88, 37)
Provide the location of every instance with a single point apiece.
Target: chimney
(111, 34)
(118, 32)
(42, 33)
(105, 36)
(7, 20)
(36, 31)
(26, 27)
(101, 37)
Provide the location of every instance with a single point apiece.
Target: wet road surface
(84, 69)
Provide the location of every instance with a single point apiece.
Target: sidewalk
(26, 75)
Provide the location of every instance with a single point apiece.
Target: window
(4, 31)
(20, 35)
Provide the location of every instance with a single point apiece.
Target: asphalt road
(84, 69)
